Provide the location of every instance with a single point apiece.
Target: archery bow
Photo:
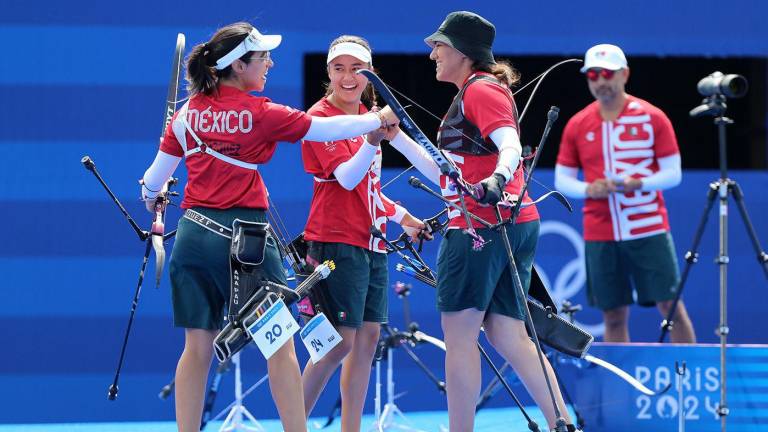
(289, 249)
(161, 201)
(452, 173)
(537, 80)
(445, 164)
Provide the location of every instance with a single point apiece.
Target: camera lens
(731, 85)
(734, 86)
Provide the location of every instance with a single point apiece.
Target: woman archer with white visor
(226, 133)
(347, 202)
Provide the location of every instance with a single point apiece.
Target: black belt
(217, 228)
(208, 223)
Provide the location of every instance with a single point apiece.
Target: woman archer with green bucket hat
(480, 134)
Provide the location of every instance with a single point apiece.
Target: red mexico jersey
(241, 126)
(626, 147)
(336, 214)
(489, 107)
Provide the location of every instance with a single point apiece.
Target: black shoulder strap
(494, 80)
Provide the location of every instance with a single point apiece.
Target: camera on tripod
(716, 83)
(715, 88)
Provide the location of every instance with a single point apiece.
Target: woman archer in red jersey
(225, 133)
(475, 287)
(347, 202)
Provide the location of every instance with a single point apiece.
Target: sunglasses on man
(595, 73)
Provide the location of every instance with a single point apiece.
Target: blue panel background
(86, 77)
(608, 406)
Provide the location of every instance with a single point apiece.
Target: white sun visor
(255, 41)
(349, 48)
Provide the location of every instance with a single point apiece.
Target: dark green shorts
(482, 279)
(650, 264)
(357, 289)
(199, 268)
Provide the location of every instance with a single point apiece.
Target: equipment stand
(234, 420)
(387, 419)
(722, 189)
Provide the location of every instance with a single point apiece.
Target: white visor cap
(349, 48)
(604, 56)
(255, 41)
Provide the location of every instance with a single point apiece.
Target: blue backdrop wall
(90, 77)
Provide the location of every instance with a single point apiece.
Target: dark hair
(502, 70)
(369, 95)
(202, 76)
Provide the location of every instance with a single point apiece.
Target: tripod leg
(213, 390)
(250, 390)
(440, 384)
(336, 410)
(491, 389)
(738, 196)
(113, 389)
(518, 285)
(532, 425)
(167, 390)
(567, 396)
(691, 257)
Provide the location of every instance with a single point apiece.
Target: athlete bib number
(319, 337)
(273, 329)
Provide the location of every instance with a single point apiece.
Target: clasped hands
(389, 128)
(601, 188)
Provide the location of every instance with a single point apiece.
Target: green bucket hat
(469, 33)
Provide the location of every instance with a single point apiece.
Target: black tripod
(152, 238)
(387, 416)
(722, 188)
(406, 339)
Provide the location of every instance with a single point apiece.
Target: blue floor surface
(489, 419)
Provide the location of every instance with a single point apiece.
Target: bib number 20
(274, 334)
(273, 329)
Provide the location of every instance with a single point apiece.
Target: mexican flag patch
(342, 315)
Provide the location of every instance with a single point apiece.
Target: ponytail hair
(368, 98)
(502, 70)
(202, 76)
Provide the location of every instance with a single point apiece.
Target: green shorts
(482, 279)
(650, 264)
(199, 268)
(357, 289)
